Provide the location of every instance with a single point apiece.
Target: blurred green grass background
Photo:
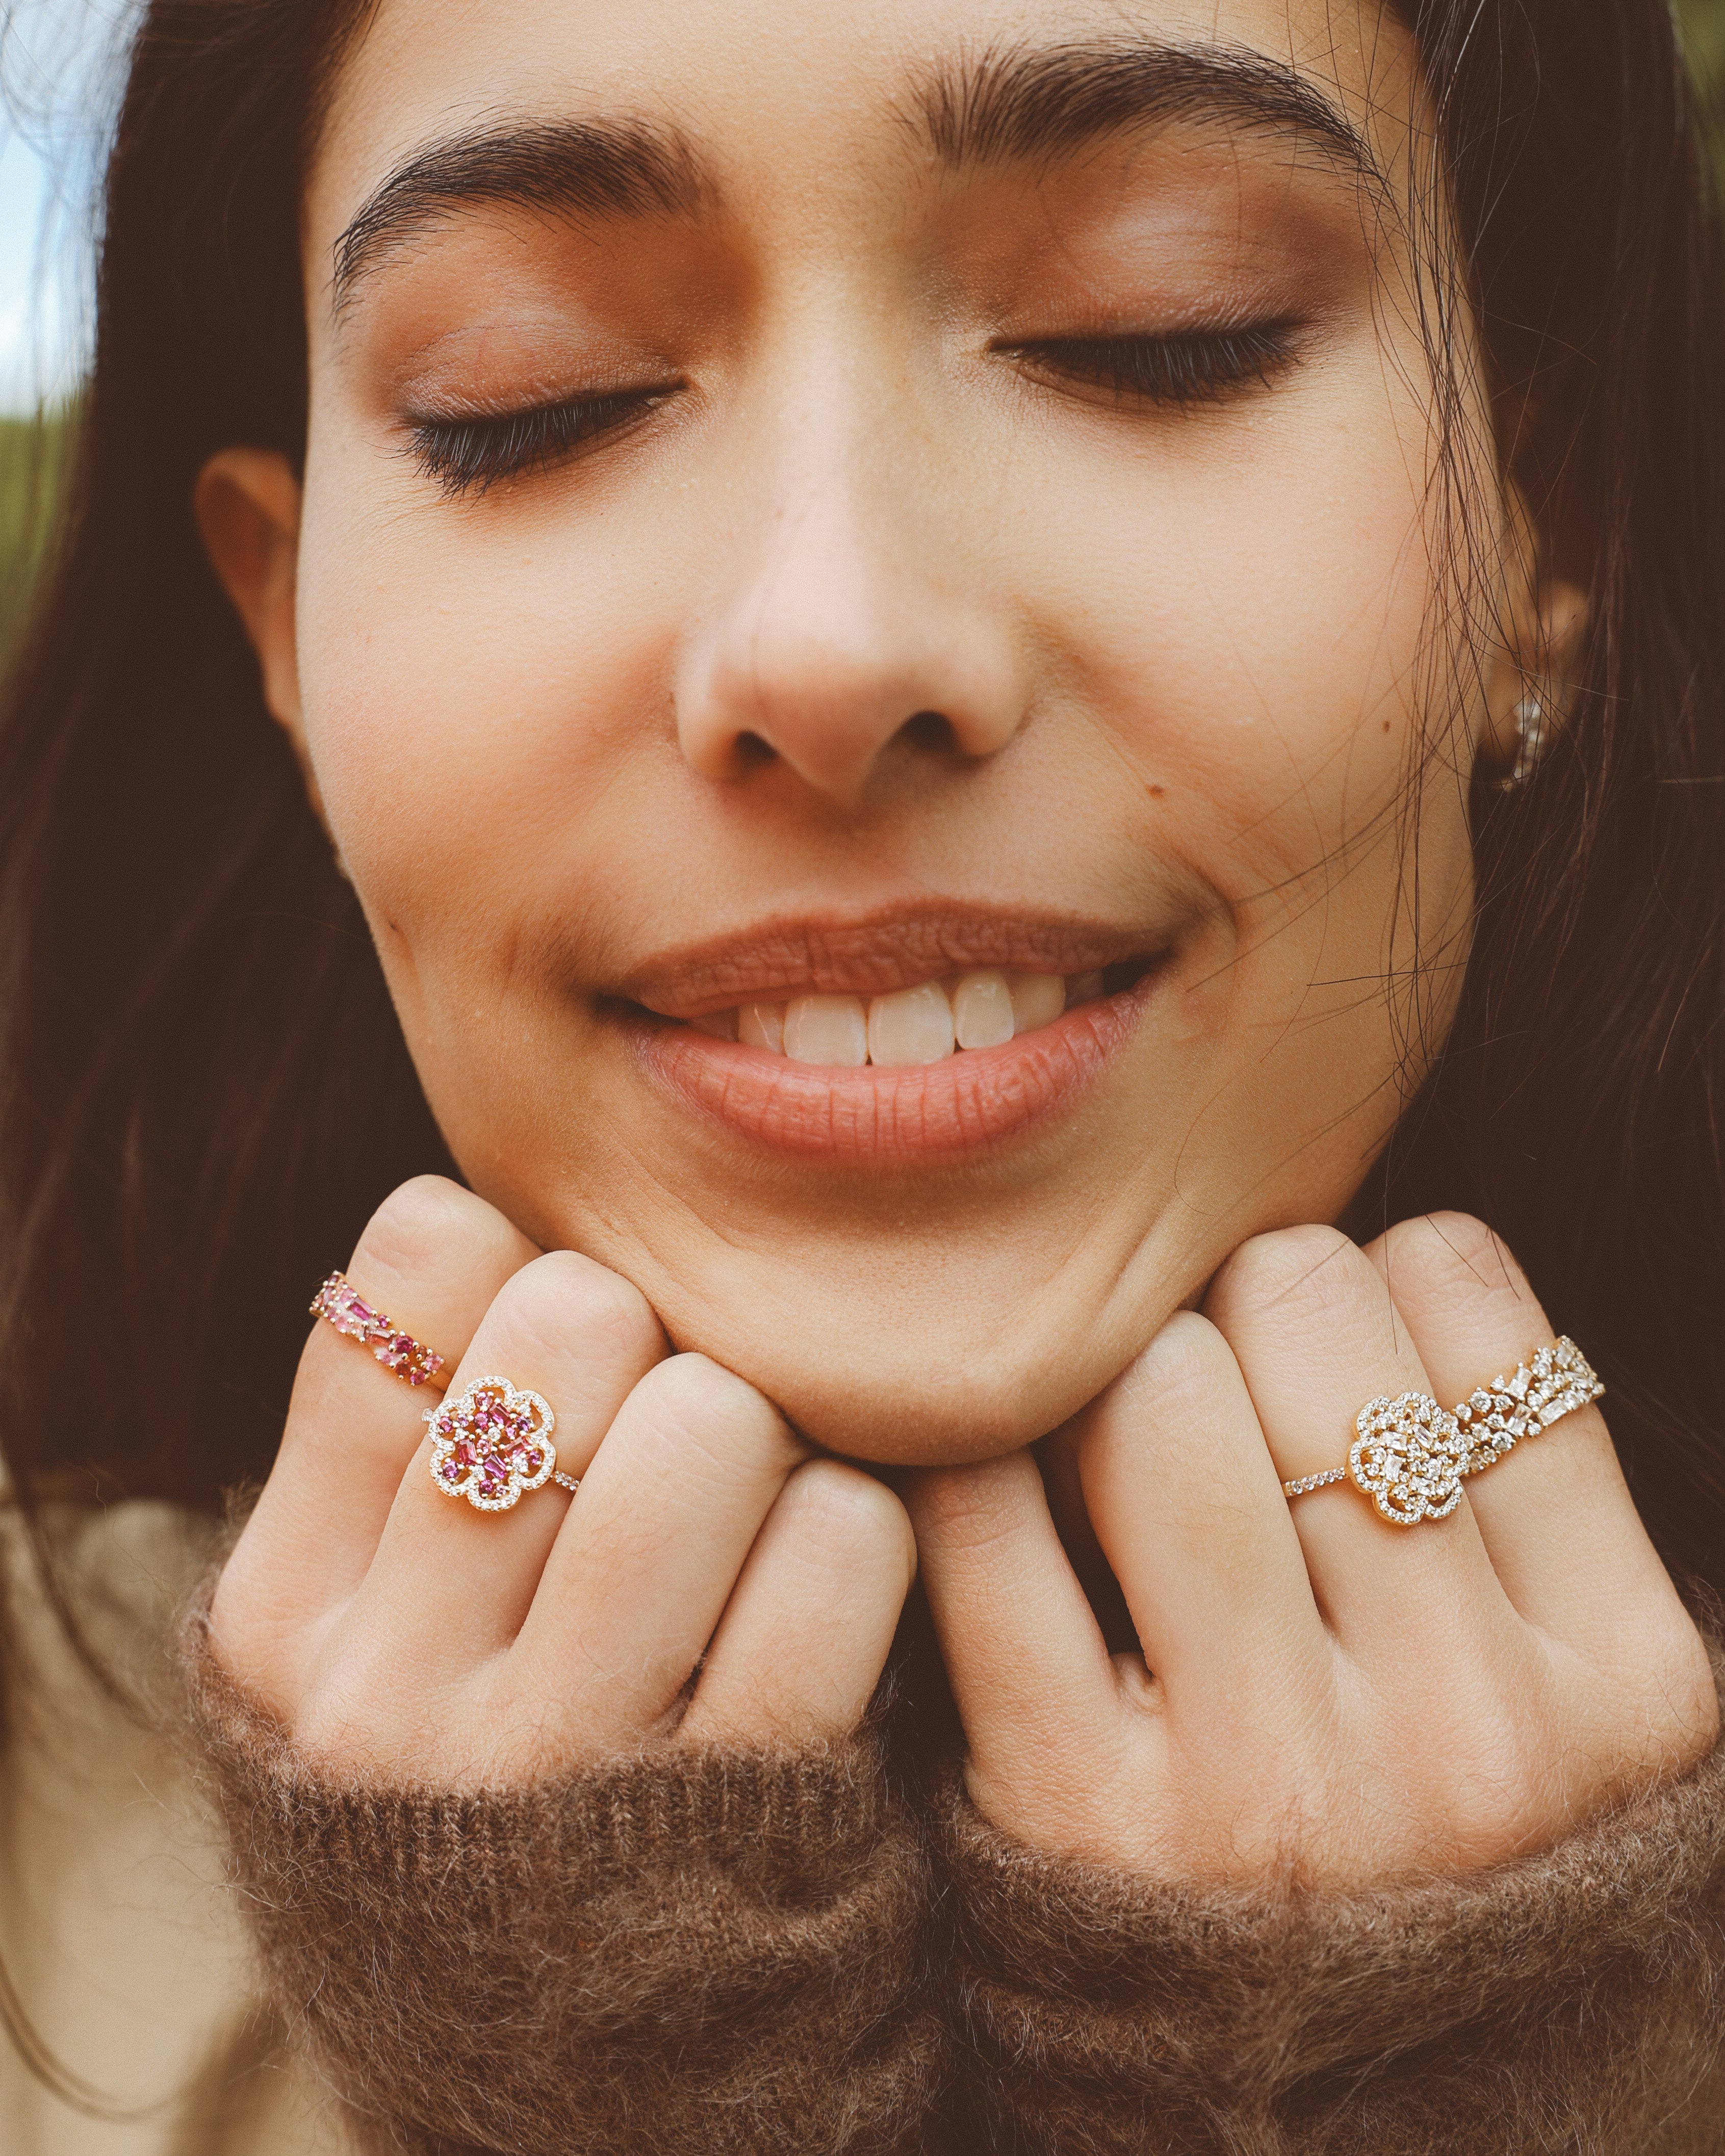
(33, 451)
(1704, 29)
(32, 458)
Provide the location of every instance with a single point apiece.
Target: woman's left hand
(1318, 1691)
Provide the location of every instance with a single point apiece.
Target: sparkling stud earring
(1530, 743)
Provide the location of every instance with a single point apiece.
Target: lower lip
(969, 1103)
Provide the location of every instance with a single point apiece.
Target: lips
(888, 950)
(843, 1042)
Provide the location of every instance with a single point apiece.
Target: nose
(842, 653)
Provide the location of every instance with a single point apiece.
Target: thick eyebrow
(1047, 103)
(596, 168)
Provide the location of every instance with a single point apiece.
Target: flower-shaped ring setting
(1408, 1456)
(493, 1444)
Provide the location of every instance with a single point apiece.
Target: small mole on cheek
(1386, 726)
(1156, 792)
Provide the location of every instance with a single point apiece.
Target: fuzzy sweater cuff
(708, 1951)
(1572, 2001)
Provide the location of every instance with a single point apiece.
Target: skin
(565, 729)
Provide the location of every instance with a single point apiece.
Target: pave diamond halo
(1408, 1457)
(493, 1444)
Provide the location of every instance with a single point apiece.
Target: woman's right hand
(714, 1582)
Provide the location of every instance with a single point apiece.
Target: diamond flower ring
(1410, 1456)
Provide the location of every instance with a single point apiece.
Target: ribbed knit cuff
(1572, 2001)
(709, 1951)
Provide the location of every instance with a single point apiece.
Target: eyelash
(1184, 369)
(472, 454)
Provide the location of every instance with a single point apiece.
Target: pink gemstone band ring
(493, 1444)
(1410, 1456)
(339, 1303)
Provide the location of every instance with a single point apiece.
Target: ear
(247, 504)
(1541, 649)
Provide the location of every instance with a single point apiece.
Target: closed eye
(1182, 367)
(477, 450)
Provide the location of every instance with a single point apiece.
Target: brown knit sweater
(694, 1954)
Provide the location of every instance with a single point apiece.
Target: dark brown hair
(205, 1088)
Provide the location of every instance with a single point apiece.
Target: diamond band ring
(1410, 1456)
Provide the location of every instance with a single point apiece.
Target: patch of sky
(60, 73)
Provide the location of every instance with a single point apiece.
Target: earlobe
(247, 504)
(1530, 694)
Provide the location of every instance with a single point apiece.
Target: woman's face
(930, 506)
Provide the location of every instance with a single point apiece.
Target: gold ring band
(1410, 1456)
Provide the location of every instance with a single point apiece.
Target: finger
(1187, 1504)
(1317, 1336)
(1031, 1672)
(807, 1631)
(1556, 1515)
(451, 1586)
(650, 1552)
(433, 1256)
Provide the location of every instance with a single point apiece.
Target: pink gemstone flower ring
(341, 1304)
(1410, 1456)
(493, 1444)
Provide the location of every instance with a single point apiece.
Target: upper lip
(871, 954)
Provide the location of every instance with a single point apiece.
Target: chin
(935, 1399)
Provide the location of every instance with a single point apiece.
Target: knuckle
(421, 1220)
(1445, 1261)
(1304, 1269)
(850, 1513)
(1185, 1365)
(1506, 1800)
(1688, 1687)
(562, 1298)
(246, 1638)
(701, 1398)
(346, 1731)
(963, 1511)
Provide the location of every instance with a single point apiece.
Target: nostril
(752, 750)
(930, 730)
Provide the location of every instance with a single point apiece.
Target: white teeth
(910, 1026)
(832, 1030)
(1037, 1000)
(982, 1010)
(914, 1026)
(762, 1025)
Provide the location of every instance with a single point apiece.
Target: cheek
(1254, 634)
(1259, 636)
(475, 687)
